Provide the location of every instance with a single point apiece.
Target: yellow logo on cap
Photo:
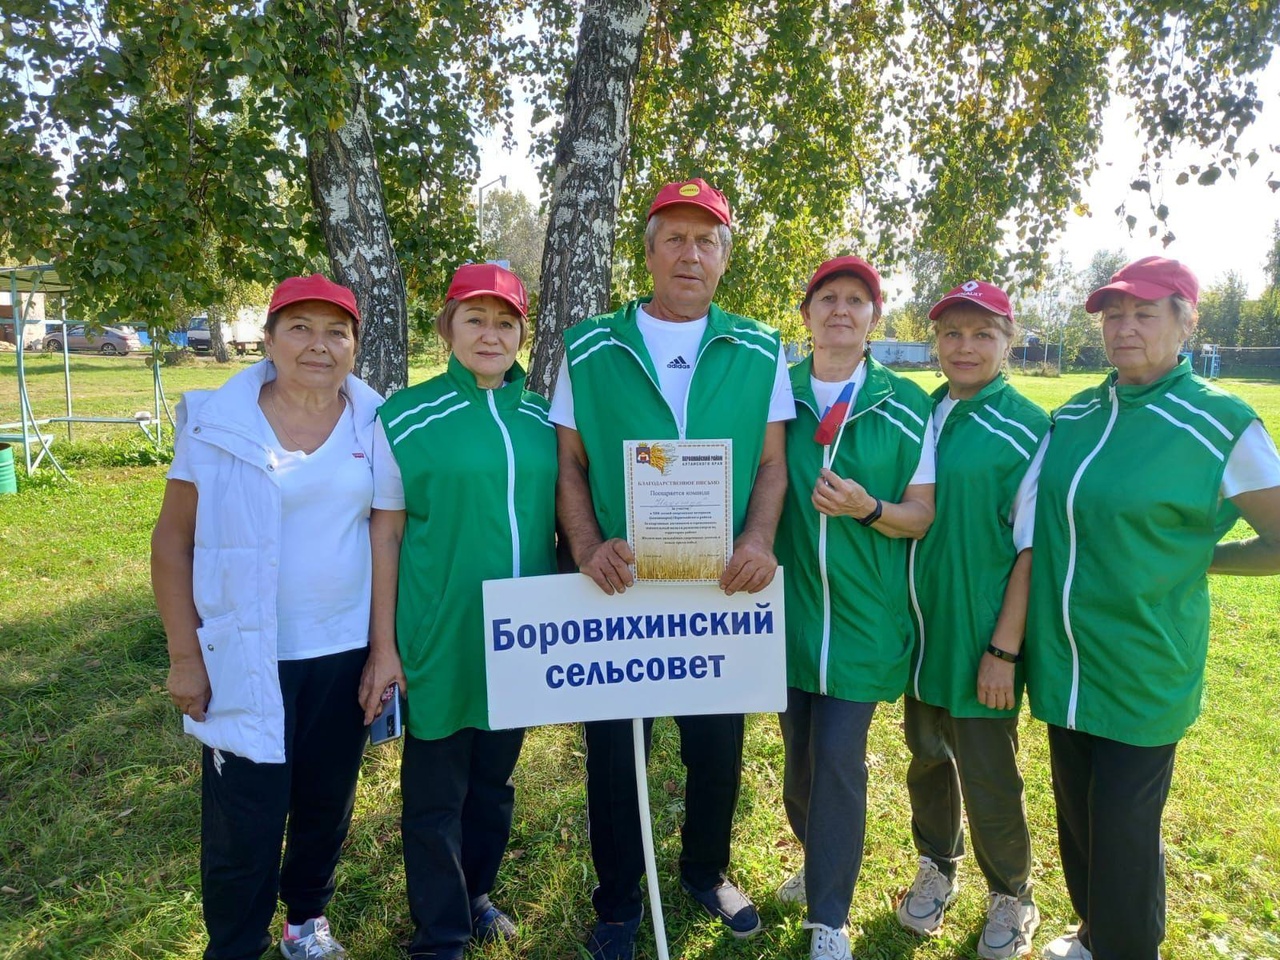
(690, 190)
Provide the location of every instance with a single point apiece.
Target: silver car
(108, 340)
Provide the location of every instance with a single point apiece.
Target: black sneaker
(492, 924)
(729, 905)
(613, 941)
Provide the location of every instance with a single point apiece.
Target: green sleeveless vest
(960, 568)
(848, 634)
(616, 398)
(479, 469)
(1127, 516)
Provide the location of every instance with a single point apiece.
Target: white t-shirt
(673, 347)
(826, 392)
(1253, 463)
(325, 578)
(940, 414)
(388, 485)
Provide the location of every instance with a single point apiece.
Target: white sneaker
(1011, 923)
(792, 891)
(922, 908)
(1066, 947)
(828, 943)
(314, 942)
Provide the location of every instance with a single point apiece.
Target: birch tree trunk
(217, 341)
(591, 157)
(346, 188)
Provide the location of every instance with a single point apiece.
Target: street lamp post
(480, 205)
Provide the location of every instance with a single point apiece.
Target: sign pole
(646, 837)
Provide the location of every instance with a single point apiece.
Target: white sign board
(559, 650)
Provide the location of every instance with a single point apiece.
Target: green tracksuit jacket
(960, 569)
(848, 633)
(1128, 513)
(616, 398)
(479, 469)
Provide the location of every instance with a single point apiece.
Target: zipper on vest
(825, 654)
(915, 608)
(511, 485)
(683, 423)
(1072, 536)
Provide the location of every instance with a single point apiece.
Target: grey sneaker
(922, 908)
(792, 891)
(315, 941)
(1011, 923)
(828, 943)
(1066, 947)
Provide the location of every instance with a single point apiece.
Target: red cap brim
(505, 297)
(954, 298)
(1142, 289)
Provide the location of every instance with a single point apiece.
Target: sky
(1220, 228)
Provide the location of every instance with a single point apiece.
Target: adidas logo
(679, 363)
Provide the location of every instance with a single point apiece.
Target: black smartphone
(387, 725)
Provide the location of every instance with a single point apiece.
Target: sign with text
(558, 649)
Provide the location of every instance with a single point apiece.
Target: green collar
(1138, 394)
(875, 388)
(997, 384)
(465, 380)
(626, 329)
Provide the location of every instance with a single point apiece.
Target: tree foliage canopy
(964, 129)
(156, 147)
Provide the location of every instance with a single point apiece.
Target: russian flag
(834, 416)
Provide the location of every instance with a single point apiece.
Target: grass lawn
(99, 792)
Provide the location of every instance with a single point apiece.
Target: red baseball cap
(315, 287)
(986, 295)
(1150, 278)
(854, 265)
(488, 280)
(697, 192)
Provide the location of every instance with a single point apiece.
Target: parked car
(108, 340)
(242, 334)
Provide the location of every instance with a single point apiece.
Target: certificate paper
(679, 508)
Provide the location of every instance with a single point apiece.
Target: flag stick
(646, 837)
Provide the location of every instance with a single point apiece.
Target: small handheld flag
(834, 417)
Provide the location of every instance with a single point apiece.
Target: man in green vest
(670, 366)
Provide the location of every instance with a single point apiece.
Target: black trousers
(249, 809)
(1110, 798)
(711, 750)
(458, 802)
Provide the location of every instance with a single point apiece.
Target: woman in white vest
(261, 567)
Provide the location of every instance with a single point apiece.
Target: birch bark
(346, 188)
(590, 160)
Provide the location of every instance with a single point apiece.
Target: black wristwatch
(1004, 655)
(873, 516)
